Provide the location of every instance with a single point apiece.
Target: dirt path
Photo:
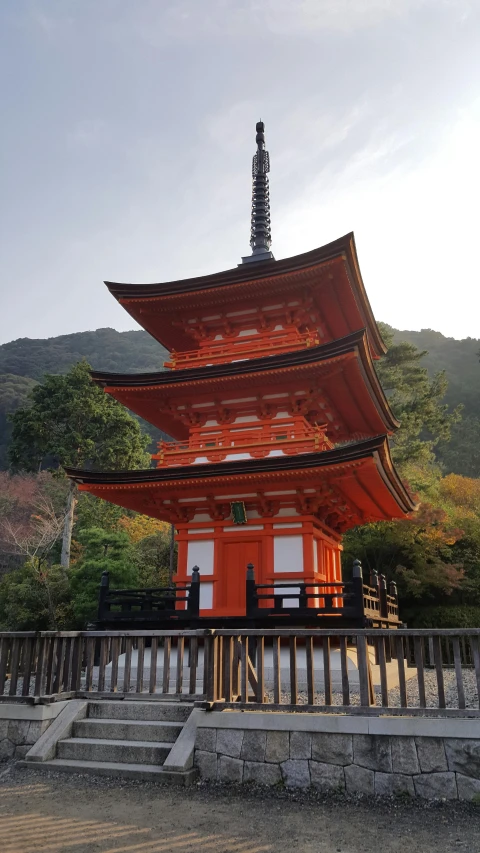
(73, 814)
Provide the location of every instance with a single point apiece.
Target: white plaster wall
(289, 602)
(200, 554)
(206, 596)
(288, 553)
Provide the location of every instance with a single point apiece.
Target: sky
(127, 129)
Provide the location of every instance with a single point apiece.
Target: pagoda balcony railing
(292, 602)
(353, 601)
(259, 443)
(271, 343)
(180, 603)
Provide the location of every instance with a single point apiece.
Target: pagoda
(279, 422)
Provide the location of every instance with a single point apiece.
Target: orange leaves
(462, 492)
(141, 526)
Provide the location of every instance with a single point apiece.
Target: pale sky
(127, 131)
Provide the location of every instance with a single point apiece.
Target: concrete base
(142, 772)
(22, 725)
(431, 759)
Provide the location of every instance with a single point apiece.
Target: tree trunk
(68, 525)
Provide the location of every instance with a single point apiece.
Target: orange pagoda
(279, 422)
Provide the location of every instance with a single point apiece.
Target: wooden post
(383, 597)
(394, 594)
(357, 583)
(193, 604)
(250, 596)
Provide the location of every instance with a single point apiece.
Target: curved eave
(130, 389)
(376, 449)
(344, 248)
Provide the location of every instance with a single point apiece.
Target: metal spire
(260, 233)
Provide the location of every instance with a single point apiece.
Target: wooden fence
(373, 671)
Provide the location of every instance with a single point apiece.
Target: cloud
(286, 18)
(415, 226)
(50, 19)
(89, 134)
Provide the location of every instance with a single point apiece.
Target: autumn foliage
(138, 527)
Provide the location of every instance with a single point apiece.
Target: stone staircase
(131, 739)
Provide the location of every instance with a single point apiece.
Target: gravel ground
(431, 692)
(56, 813)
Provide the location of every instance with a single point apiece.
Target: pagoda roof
(333, 268)
(343, 369)
(361, 473)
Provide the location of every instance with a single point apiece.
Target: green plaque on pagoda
(239, 513)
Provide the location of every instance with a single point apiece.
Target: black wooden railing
(118, 607)
(355, 603)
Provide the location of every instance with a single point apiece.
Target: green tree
(415, 400)
(461, 454)
(35, 597)
(94, 512)
(151, 556)
(102, 552)
(71, 422)
(14, 392)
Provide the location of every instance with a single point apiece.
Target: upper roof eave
(343, 246)
(334, 349)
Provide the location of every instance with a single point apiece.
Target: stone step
(143, 772)
(155, 711)
(116, 751)
(144, 730)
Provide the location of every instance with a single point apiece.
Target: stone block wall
(428, 767)
(17, 736)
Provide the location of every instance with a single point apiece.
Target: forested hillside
(26, 361)
(460, 361)
(104, 349)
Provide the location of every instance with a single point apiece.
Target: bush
(35, 597)
(455, 616)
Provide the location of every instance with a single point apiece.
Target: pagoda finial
(260, 233)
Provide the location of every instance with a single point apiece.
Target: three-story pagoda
(279, 422)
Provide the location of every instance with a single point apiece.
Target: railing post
(250, 591)
(104, 584)
(193, 604)
(374, 578)
(210, 663)
(394, 594)
(383, 597)
(357, 584)
(302, 598)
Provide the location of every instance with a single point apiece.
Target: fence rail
(402, 671)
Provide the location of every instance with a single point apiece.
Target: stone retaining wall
(22, 725)
(251, 748)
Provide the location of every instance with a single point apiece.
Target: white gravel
(431, 693)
